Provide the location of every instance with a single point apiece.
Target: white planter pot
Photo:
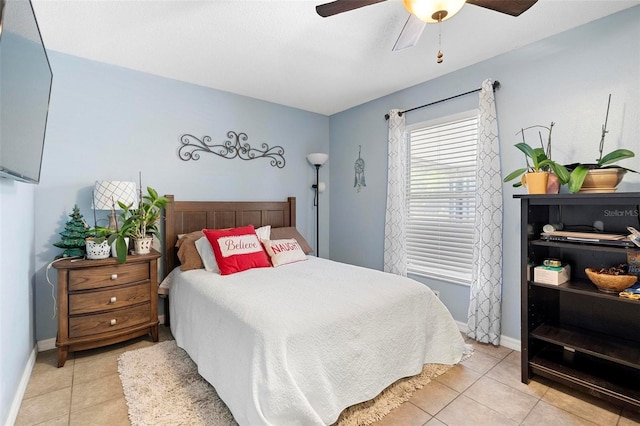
(114, 253)
(142, 245)
(97, 251)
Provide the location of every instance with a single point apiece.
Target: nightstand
(101, 302)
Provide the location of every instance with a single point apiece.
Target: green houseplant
(96, 244)
(120, 237)
(99, 234)
(538, 161)
(603, 175)
(580, 172)
(144, 220)
(579, 177)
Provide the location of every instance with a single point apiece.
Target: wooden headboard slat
(183, 217)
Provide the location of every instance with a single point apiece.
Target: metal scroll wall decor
(359, 180)
(236, 147)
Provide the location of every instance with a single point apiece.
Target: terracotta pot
(602, 180)
(553, 184)
(536, 182)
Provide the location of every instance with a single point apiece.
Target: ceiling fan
(426, 11)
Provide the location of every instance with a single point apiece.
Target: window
(441, 185)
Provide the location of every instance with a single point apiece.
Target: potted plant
(119, 239)
(601, 176)
(96, 243)
(536, 176)
(145, 219)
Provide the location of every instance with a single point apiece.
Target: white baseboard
(507, 342)
(22, 387)
(462, 327)
(46, 345)
(510, 342)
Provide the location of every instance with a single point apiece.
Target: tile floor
(483, 390)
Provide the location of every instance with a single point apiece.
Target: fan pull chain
(440, 55)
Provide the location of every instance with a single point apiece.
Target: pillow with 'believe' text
(236, 249)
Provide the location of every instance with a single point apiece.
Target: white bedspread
(297, 344)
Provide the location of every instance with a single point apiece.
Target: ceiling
(283, 52)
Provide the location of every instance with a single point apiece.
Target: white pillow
(206, 254)
(282, 252)
(264, 232)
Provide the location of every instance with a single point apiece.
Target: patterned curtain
(486, 286)
(395, 254)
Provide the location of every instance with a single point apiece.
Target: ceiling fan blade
(510, 7)
(340, 6)
(410, 33)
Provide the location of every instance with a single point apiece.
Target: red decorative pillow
(237, 249)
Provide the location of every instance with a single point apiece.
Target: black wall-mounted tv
(25, 88)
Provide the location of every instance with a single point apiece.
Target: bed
(298, 343)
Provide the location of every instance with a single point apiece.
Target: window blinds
(441, 184)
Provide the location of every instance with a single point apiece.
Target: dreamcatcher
(359, 181)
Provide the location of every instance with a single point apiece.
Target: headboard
(183, 217)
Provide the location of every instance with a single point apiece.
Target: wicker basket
(610, 283)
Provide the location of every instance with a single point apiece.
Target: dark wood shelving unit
(604, 380)
(584, 287)
(622, 351)
(573, 333)
(581, 246)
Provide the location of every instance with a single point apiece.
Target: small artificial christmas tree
(73, 235)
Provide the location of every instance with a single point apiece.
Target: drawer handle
(113, 299)
(113, 322)
(114, 276)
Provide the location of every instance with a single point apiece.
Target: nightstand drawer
(89, 325)
(104, 276)
(109, 299)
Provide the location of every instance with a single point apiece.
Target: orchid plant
(538, 159)
(579, 170)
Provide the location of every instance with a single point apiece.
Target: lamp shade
(431, 11)
(317, 158)
(107, 192)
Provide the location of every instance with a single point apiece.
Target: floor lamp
(317, 159)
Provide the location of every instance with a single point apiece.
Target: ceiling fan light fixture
(433, 11)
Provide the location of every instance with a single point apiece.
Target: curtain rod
(496, 86)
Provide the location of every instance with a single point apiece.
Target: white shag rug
(162, 387)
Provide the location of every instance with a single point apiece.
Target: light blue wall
(16, 287)
(565, 79)
(109, 123)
